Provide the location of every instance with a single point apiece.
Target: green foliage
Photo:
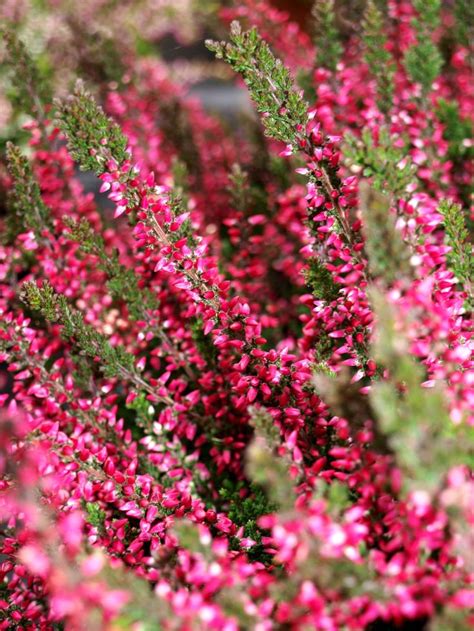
(464, 25)
(382, 6)
(337, 496)
(115, 360)
(385, 163)
(144, 413)
(377, 57)
(180, 179)
(179, 134)
(27, 210)
(43, 299)
(460, 258)
(245, 511)
(30, 87)
(203, 342)
(239, 188)
(326, 35)
(265, 467)
(100, 60)
(270, 84)
(123, 283)
(83, 374)
(450, 619)
(322, 368)
(95, 515)
(319, 279)
(136, 616)
(145, 48)
(324, 347)
(93, 138)
(428, 13)
(278, 167)
(258, 165)
(388, 254)
(425, 441)
(456, 131)
(246, 196)
(423, 61)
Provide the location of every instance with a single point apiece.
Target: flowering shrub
(239, 394)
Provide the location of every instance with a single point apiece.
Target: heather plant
(237, 382)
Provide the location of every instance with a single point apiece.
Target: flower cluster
(237, 382)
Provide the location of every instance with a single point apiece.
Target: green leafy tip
(93, 138)
(327, 40)
(31, 90)
(460, 257)
(423, 61)
(377, 57)
(115, 360)
(270, 84)
(387, 252)
(27, 211)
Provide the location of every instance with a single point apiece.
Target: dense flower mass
(237, 383)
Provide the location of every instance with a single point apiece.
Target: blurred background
(98, 40)
(103, 42)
